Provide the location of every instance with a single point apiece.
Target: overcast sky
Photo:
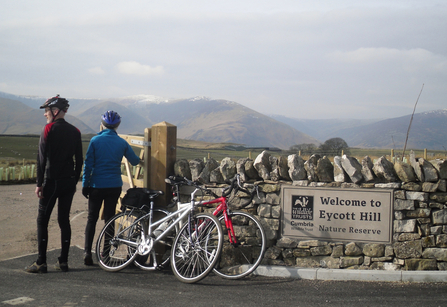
(299, 58)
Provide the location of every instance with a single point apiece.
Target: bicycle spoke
(160, 254)
(241, 259)
(117, 242)
(194, 254)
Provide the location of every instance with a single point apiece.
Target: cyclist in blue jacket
(102, 181)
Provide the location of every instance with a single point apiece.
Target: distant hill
(218, 121)
(76, 105)
(323, 129)
(198, 118)
(427, 130)
(17, 118)
(203, 119)
(131, 123)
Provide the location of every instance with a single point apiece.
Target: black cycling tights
(61, 190)
(95, 200)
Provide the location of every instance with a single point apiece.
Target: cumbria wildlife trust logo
(302, 207)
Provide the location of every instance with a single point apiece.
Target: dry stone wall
(420, 207)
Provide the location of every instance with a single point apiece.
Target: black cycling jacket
(59, 142)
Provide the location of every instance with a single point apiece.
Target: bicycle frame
(178, 216)
(222, 208)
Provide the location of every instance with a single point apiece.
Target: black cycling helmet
(56, 102)
(111, 119)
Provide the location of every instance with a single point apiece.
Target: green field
(20, 150)
(23, 149)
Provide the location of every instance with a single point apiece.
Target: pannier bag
(135, 197)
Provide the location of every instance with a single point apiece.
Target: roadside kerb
(359, 275)
(424, 276)
(286, 272)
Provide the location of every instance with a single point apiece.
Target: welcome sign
(337, 214)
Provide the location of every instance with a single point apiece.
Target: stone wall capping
(390, 185)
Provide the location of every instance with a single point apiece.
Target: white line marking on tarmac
(18, 301)
(74, 217)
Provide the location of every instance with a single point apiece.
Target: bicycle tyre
(113, 254)
(194, 256)
(147, 262)
(241, 260)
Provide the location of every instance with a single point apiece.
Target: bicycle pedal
(160, 267)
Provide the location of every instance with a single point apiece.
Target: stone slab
(424, 276)
(359, 275)
(287, 272)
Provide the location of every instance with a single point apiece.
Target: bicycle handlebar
(234, 184)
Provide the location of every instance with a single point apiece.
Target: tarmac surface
(331, 274)
(279, 286)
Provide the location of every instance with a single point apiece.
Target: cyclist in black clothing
(57, 175)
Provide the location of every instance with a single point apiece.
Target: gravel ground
(18, 213)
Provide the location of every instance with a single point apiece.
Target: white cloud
(96, 71)
(365, 55)
(412, 60)
(135, 68)
(255, 52)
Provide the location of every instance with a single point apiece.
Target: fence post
(147, 159)
(425, 153)
(163, 156)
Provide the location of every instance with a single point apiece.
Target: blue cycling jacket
(102, 165)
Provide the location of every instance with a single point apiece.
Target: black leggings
(63, 191)
(97, 196)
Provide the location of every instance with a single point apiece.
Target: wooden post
(163, 156)
(425, 153)
(147, 158)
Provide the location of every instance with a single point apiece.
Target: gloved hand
(86, 191)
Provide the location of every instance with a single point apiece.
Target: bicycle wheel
(196, 248)
(159, 256)
(240, 259)
(117, 243)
